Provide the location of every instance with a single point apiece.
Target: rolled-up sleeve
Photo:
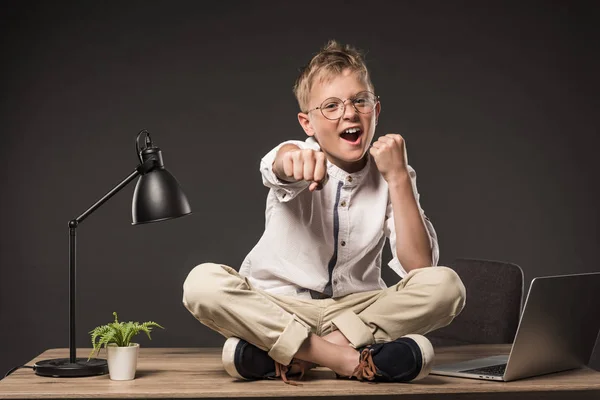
(284, 191)
(390, 231)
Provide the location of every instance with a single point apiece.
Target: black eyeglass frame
(344, 104)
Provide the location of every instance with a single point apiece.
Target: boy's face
(345, 150)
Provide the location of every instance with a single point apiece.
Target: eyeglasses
(333, 108)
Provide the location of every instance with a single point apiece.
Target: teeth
(352, 130)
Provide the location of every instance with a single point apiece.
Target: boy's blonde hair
(332, 60)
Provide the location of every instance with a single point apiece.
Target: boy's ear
(305, 124)
(377, 111)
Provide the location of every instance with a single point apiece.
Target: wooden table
(198, 373)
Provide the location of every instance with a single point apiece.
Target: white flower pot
(122, 361)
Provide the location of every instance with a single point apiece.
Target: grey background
(497, 103)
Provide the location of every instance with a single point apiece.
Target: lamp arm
(141, 169)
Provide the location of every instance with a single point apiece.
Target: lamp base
(64, 368)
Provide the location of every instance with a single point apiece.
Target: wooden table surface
(198, 373)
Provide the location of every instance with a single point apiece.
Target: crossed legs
(287, 327)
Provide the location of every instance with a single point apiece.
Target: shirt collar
(349, 179)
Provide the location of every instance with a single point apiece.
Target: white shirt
(326, 243)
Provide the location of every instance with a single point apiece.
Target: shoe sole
(427, 355)
(228, 357)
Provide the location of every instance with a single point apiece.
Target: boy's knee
(450, 291)
(446, 289)
(204, 289)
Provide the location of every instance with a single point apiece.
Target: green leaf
(119, 333)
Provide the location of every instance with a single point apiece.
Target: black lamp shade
(158, 196)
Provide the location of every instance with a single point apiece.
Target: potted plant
(122, 354)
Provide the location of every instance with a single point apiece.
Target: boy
(310, 292)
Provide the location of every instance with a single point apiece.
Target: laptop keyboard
(492, 370)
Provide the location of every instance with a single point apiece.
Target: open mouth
(352, 135)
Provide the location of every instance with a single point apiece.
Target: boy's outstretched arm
(413, 243)
(293, 164)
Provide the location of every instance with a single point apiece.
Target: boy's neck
(349, 167)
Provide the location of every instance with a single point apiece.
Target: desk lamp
(157, 197)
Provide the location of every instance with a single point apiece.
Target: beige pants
(425, 300)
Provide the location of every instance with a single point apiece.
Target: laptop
(557, 332)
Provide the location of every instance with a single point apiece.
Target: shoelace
(366, 368)
(282, 370)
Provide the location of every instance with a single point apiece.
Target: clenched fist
(293, 164)
(389, 152)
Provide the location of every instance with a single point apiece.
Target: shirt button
(343, 243)
(349, 178)
(343, 203)
(335, 281)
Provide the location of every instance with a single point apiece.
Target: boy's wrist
(399, 179)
